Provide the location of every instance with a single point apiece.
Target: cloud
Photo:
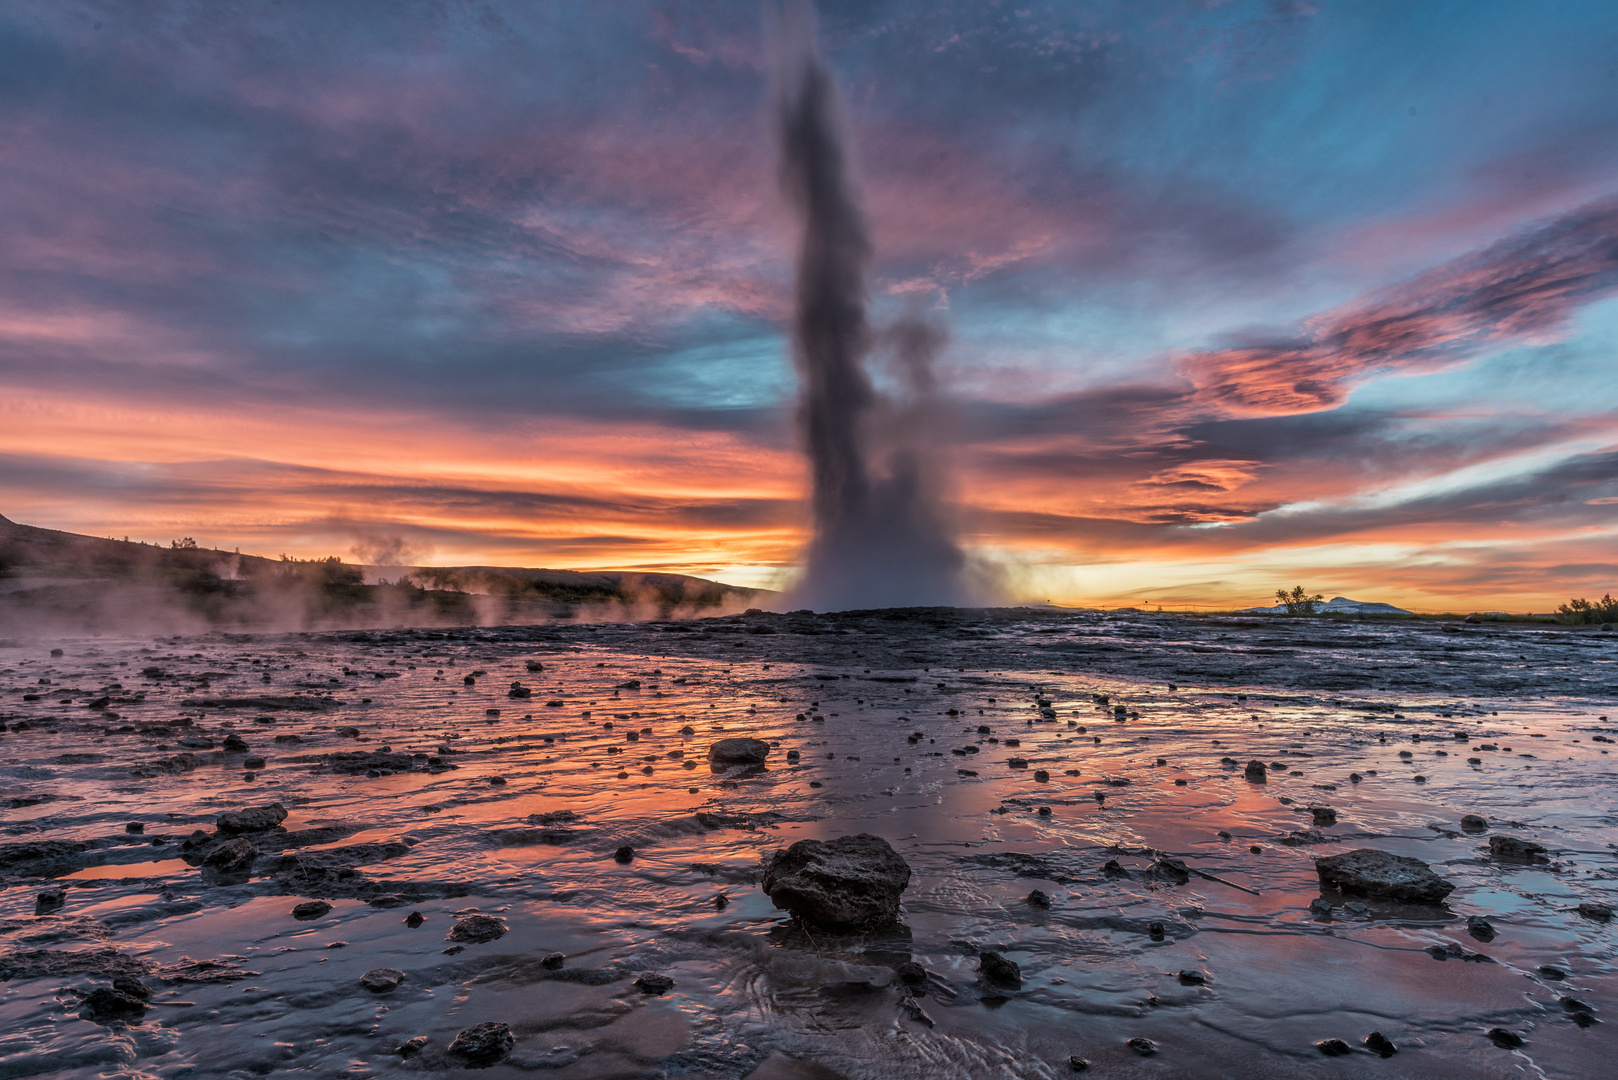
(1525, 289)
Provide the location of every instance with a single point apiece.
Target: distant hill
(1338, 605)
(53, 581)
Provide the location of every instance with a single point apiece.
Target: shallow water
(753, 994)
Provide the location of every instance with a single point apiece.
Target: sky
(1239, 295)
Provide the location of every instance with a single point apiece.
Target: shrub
(1581, 610)
(1299, 602)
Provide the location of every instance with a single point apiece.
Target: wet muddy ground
(999, 752)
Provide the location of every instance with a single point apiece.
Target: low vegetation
(1299, 602)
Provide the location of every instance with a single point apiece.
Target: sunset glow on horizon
(1240, 295)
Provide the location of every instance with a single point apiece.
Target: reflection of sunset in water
(417, 791)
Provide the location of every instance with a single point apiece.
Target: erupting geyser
(882, 538)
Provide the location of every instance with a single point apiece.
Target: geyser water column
(882, 537)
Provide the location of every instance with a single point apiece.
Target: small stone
(477, 929)
(1078, 1064)
(655, 984)
(1320, 906)
(552, 961)
(414, 919)
(912, 974)
(999, 971)
(1155, 931)
(50, 900)
(107, 1003)
(624, 854)
(1189, 977)
(1552, 972)
(1041, 776)
(1480, 928)
(1516, 849)
(1038, 899)
(411, 1047)
(234, 855)
(484, 1044)
(1324, 815)
(1592, 910)
(1505, 1040)
(1256, 772)
(1143, 1047)
(739, 752)
(1474, 823)
(382, 980)
(1333, 1047)
(134, 827)
(310, 909)
(235, 743)
(1378, 1043)
(253, 819)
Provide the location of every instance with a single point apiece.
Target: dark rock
(476, 929)
(1078, 1064)
(232, 855)
(1113, 869)
(1172, 870)
(1594, 911)
(50, 900)
(739, 752)
(253, 761)
(110, 1002)
(1378, 1043)
(1256, 772)
(1155, 931)
(1324, 815)
(655, 984)
(552, 961)
(1320, 906)
(135, 827)
(382, 980)
(1505, 1040)
(1480, 928)
(624, 854)
(411, 1047)
(235, 744)
(310, 909)
(414, 919)
(842, 884)
(912, 974)
(1516, 849)
(1378, 873)
(998, 971)
(1038, 899)
(1552, 972)
(1189, 977)
(1333, 1047)
(39, 858)
(484, 1044)
(1143, 1047)
(1473, 823)
(253, 819)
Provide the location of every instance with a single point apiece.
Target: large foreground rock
(843, 884)
(739, 752)
(1377, 873)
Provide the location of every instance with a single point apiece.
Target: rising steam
(882, 537)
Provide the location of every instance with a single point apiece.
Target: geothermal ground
(1001, 752)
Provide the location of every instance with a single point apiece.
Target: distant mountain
(1340, 605)
(61, 582)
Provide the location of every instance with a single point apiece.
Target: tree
(1581, 610)
(187, 544)
(1299, 602)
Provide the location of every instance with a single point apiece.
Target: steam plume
(882, 538)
